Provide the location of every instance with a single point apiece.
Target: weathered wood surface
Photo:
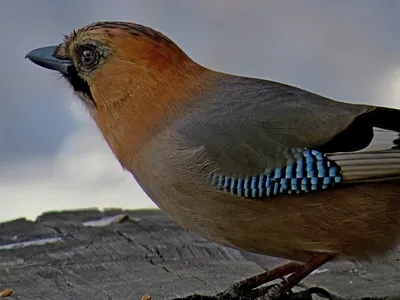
(148, 255)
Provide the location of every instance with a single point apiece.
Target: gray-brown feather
(247, 125)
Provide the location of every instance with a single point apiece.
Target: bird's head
(105, 60)
(122, 72)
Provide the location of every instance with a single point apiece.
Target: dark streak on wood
(148, 256)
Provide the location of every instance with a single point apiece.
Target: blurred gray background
(53, 157)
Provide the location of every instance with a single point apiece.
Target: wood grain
(147, 254)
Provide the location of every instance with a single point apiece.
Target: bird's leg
(245, 286)
(296, 272)
(287, 284)
(249, 289)
(313, 264)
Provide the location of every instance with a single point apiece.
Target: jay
(248, 163)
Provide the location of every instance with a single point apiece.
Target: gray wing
(249, 125)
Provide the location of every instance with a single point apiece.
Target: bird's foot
(252, 288)
(240, 292)
(247, 287)
(271, 292)
(276, 291)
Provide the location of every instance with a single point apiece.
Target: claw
(273, 293)
(248, 289)
(320, 292)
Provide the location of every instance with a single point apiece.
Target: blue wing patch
(313, 171)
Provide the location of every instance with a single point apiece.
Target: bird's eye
(89, 56)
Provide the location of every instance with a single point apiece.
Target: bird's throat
(130, 117)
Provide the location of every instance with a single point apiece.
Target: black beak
(45, 58)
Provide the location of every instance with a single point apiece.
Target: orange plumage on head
(151, 80)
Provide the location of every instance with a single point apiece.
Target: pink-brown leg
(287, 284)
(245, 286)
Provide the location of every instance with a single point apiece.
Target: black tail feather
(385, 118)
(361, 132)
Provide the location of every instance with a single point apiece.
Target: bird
(248, 163)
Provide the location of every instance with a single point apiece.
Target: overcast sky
(53, 157)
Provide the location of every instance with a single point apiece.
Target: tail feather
(380, 160)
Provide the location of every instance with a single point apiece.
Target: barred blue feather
(313, 171)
